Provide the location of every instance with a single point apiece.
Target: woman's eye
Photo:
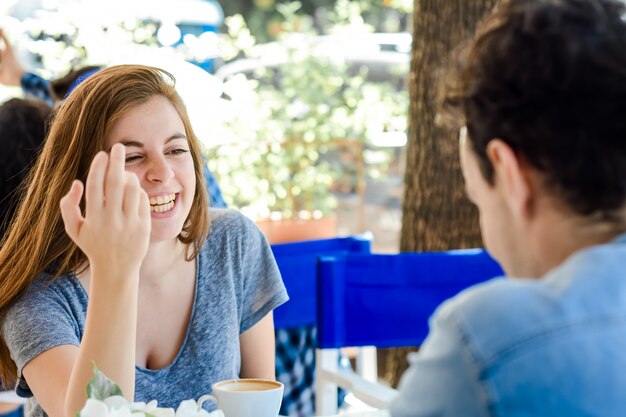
(132, 158)
(178, 151)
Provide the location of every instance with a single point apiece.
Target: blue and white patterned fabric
(295, 367)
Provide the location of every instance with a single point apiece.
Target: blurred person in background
(23, 126)
(22, 132)
(541, 91)
(13, 74)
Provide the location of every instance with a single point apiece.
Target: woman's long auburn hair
(36, 241)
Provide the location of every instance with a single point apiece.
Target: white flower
(118, 406)
(120, 412)
(94, 408)
(116, 401)
(105, 401)
(191, 408)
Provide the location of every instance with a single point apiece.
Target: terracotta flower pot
(293, 230)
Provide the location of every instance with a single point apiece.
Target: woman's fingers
(70, 210)
(144, 206)
(143, 212)
(131, 194)
(114, 183)
(94, 193)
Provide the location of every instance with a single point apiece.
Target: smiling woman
(133, 273)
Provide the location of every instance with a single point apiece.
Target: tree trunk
(436, 212)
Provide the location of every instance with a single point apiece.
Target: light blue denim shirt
(519, 347)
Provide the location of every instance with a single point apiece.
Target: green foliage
(101, 387)
(267, 22)
(292, 116)
(297, 126)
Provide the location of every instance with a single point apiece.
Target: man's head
(544, 83)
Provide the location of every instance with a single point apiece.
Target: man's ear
(510, 174)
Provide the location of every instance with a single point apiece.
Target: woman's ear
(511, 175)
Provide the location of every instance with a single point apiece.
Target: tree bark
(436, 213)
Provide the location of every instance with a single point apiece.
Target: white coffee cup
(247, 397)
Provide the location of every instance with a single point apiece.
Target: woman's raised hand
(115, 231)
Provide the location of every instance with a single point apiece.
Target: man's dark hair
(22, 131)
(548, 77)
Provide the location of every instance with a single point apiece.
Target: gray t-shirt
(237, 284)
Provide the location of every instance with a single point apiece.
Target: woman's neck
(162, 257)
(162, 264)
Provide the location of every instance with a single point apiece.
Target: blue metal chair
(295, 321)
(297, 262)
(383, 301)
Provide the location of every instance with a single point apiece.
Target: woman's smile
(162, 203)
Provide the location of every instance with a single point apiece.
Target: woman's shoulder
(46, 292)
(50, 312)
(232, 235)
(230, 222)
(47, 298)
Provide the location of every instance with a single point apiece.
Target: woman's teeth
(162, 203)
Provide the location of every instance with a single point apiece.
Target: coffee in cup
(248, 397)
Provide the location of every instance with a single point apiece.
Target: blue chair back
(386, 300)
(297, 262)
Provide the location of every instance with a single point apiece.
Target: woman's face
(157, 151)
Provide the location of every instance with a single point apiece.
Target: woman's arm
(115, 238)
(11, 70)
(258, 350)
(58, 377)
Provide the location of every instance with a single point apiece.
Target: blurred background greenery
(302, 105)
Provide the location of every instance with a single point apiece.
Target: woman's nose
(159, 170)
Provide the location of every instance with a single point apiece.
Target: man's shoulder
(508, 314)
(494, 316)
(593, 273)
(499, 299)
